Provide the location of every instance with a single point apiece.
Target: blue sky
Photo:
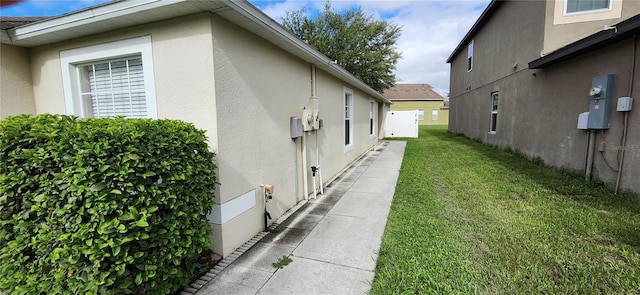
(431, 28)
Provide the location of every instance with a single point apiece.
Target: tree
(362, 45)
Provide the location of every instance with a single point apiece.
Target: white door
(402, 124)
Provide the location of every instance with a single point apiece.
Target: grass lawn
(471, 219)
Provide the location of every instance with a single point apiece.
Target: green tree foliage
(364, 46)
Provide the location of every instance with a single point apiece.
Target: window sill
(492, 132)
(348, 148)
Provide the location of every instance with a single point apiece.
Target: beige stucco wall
(16, 91)
(428, 107)
(243, 91)
(258, 88)
(561, 30)
(182, 62)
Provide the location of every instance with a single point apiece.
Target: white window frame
(470, 56)
(493, 123)
(420, 114)
(71, 61)
(566, 6)
(348, 98)
(434, 115)
(560, 16)
(373, 110)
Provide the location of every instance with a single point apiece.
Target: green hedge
(102, 206)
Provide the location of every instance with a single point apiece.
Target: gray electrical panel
(296, 127)
(600, 102)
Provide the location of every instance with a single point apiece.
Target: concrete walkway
(332, 240)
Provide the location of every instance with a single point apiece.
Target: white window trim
(420, 113)
(373, 114)
(470, 56)
(566, 3)
(560, 16)
(70, 59)
(435, 116)
(494, 112)
(348, 147)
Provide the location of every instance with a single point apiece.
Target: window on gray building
(470, 56)
(494, 111)
(573, 6)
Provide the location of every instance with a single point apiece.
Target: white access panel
(583, 120)
(401, 124)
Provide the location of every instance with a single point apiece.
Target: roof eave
(319, 59)
(484, 17)
(40, 33)
(619, 32)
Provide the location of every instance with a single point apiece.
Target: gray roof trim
(484, 17)
(619, 32)
(120, 14)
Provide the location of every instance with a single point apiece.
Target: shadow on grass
(567, 185)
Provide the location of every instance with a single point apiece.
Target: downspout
(626, 114)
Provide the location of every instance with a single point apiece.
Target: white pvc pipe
(315, 193)
(320, 175)
(305, 185)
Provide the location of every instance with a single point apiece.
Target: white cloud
(430, 31)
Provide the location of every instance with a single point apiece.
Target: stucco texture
(258, 88)
(16, 93)
(561, 30)
(181, 59)
(538, 109)
(242, 90)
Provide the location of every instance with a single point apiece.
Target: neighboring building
(226, 67)
(432, 108)
(523, 73)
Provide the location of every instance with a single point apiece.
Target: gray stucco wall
(538, 109)
(508, 38)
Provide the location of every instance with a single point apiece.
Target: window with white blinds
(114, 88)
(110, 79)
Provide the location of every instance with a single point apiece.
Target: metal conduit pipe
(590, 153)
(626, 114)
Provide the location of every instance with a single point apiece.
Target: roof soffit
(121, 14)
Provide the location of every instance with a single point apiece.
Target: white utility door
(401, 124)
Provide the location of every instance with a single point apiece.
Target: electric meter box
(600, 102)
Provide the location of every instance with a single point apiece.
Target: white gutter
(115, 9)
(99, 13)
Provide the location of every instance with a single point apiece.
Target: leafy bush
(102, 206)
